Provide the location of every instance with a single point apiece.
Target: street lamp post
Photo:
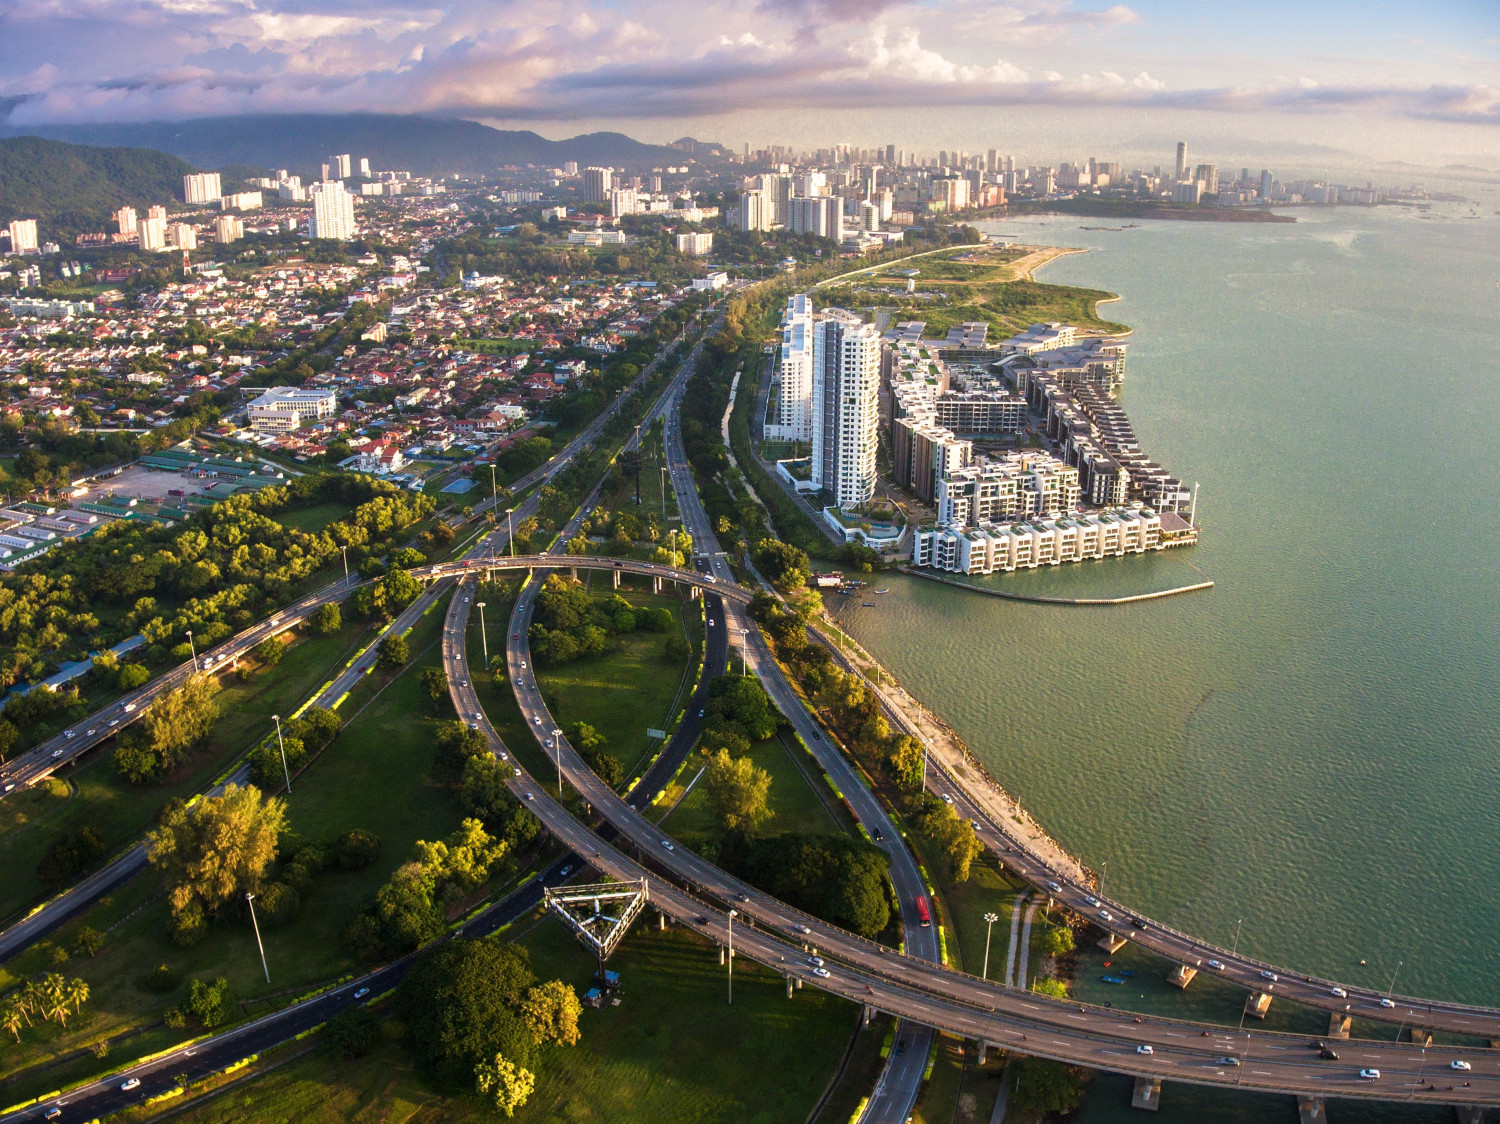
(276, 718)
(510, 532)
(733, 913)
(557, 751)
(192, 648)
(663, 493)
(250, 901)
(494, 488)
(483, 637)
(1236, 946)
(1397, 972)
(989, 925)
(923, 786)
(744, 639)
(344, 550)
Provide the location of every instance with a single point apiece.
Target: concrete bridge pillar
(799, 983)
(1181, 976)
(982, 1046)
(1420, 1035)
(1257, 1004)
(617, 578)
(1112, 942)
(1469, 1114)
(1338, 1026)
(869, 1014)
(694, 592)
(573, 570)
(662, 920)
(655, 583)
(1311, 1110)
(789, 987)
(721, 954)
(1147, 1094)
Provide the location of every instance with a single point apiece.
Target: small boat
(1127, 972)
(880, 591)
(868, 604)
(1112, 979)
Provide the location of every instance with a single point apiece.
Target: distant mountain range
(76, 187)
(423, 145)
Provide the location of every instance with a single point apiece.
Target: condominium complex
(228, 228)
(822, 215)
(1049, 541)
(283, 408)
(201, 187)
(695, 245)
(794, 388)
(126, 219)
(597, 184)
(755, 211)
(151, 232)
(333, 212)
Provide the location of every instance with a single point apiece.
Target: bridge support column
(1257, 1004)
(1311, 1110)
(617, 578)
(869, 1014)
(721, 954)
(1469, 1114)
(1338, 1026)
(573, 570)
(799, 983)
(1420, 1035)
(694, 592)
(662, 919)
(1112, 942)
(1181, 976)
(982, 1046)
(1147, 1094)
(789, 987)
(655, 583)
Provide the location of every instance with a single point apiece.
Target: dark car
(1331, 1055)
(1137, 923)
(900, 1047)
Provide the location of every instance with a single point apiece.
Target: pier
(1040, 600)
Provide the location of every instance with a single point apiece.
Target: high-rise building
(624, 202)
(794, 400)
(23, 236)
(180, 236)
(201, 187)
(1267, 184)
(597, 184)
(951, 191)
(1208, 176)
(157, 212)
(228, 228)
(992, 160)
(845, 401)
(125, 219)
(822, 215)
(695, 245)
(1181, 162)
(364, 167)
(333, 212)
(570, 167)
(339, 167)
(754, 213)
(151, 232)
(890, 156)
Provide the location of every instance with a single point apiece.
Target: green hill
(73, 187)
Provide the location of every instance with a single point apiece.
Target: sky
(1417, 80)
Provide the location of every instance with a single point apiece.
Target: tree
(435, 683)
(215, 851)
(394, 653)
(211, 1001)
(88, 941)
(269, 651)
(1058, 941)
(738, 792)
(70, 855)
(507, 1085)
(327, 618)
(903, 760)
(356, 849)
(457, 742)
(461, 862)
(551, 1011)
(130, 676)
(459, 1003)
(1054, 988)
(953, 836)
(175, 722)
(485, 795)
(784, 566)
(353, 1033)
(1044, 1086)
(13, 1015)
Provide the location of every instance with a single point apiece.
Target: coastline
(1038, 599)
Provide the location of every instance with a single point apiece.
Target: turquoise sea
(1311, 750)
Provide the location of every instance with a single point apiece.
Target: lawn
(377, 775)
(122, 811)
(672, 1052)
(795, 804)
(960, 1091)
(313, 519)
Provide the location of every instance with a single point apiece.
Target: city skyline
(1413, 85)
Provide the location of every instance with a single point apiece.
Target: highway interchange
(911, 986)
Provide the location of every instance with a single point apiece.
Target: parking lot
(145, 484)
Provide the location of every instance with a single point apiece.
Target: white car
(130, 1083)
(1093, 901)
(537, 720)
(1370, 1074)
(667, 843)
(1106, 915)
(1144, 1049)
(947, 799)
(1384, 1002)
(129, 707)
(801, 928)
(1267, 974)
(822, 973)
(1461, 1066)
(68, 733)
(56, 753)
(1338, 993)
(815, 961)
(518, 772)
(1054, 887)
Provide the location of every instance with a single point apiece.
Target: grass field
(796, 805)
(315, 518)
(960, 1091)
(377, 775)
(122, 811)
(672, 1052)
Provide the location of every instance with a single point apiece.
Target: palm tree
(78, 993)
(54, 992)
(30, 999)
(13, 1015)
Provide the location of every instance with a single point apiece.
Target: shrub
(174, 1018)
(163, 978)
(353, 1033)
(357, 849)
(277, 904)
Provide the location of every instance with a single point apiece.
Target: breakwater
(1038, 599)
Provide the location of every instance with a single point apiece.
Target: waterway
(1309, 752)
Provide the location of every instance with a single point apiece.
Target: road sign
(650, 733)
